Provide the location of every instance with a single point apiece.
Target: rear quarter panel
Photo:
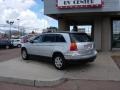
(62, 47)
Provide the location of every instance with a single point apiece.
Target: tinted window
(38, 39)
(80, 37)
(60, 38)
(49, 38)
(17, 40)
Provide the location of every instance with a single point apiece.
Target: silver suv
(61, 47)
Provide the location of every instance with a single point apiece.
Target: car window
(12, 40)
(38, 39)
(60, 38)
(80, 37)
(17, 40)
(49, 38)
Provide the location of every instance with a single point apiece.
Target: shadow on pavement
(69, 66)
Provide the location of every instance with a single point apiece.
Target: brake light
(73, 47)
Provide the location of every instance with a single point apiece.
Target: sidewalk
(68, 85)
(104, 68)
(30, 72)
(37, 73)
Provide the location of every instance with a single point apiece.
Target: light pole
(10, 23)
(18, 27)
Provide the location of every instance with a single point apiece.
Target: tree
(52, 29)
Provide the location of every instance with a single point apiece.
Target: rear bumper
(77, 57)
(91, 59)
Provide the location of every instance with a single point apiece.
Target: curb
(34, 83)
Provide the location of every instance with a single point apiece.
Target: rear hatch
(84, 42)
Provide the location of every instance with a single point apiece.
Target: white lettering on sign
(79, 3)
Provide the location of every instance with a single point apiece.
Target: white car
(61, 48)
(16, 42)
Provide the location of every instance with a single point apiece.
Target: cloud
(29, 16)
(20, 9)
(19, 4)
(42, 10)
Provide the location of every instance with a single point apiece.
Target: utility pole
(18, 27)
(10, 23)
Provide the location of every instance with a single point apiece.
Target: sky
(29, 12)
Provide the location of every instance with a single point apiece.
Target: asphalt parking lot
(8, 54)
(101, 74)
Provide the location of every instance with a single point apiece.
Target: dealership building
(102, 17)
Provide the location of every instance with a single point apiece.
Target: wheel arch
(57, 53)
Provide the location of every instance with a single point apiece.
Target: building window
(116, 34)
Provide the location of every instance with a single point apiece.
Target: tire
(59, 62)
(7, 47)
(92, 60)
(19, 46)
(89, 61)
(24, 54)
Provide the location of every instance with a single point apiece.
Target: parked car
(6, 44)
(16, 42)
(61, 48)
(26, 38)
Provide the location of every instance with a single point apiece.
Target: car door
(48, 44)
(35, 46)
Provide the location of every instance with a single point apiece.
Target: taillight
(73, 47)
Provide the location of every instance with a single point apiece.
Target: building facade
(102, 15)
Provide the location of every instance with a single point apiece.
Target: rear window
(80, 37)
